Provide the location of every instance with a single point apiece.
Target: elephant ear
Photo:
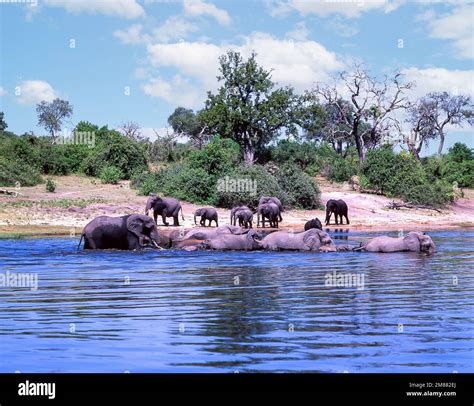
(135, 225)
(412, 240)
(311, 238)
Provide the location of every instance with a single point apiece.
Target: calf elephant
(165, 207)
(207, 213)
(311, 240)
(245, 217)
(273, 199)
(268, 211)
(314, 223)
(413, 241)
(339, 208)
(204, 233)
(129, 232)
(247, 242)
(233, 214)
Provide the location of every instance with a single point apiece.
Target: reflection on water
(223, 312)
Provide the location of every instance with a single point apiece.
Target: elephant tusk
(156, 245)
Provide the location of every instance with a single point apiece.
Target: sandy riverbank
(78, 200)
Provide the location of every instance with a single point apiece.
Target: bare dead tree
(131, 129)
(365, 106)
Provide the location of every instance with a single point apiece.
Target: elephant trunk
(147, 207)
(195, 220)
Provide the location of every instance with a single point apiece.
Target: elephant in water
(413, 241)
(165, 207)
(204, 233)
(314, 223)
(129, 232)
(272, 199)
(311, 240)
(247, 242)
(207, 213)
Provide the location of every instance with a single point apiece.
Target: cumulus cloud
(201, 8)
(299, 33)
(439, 80)
(295, 63)
(34, 91)
(132, 35)
(324, 8)
(456, 26)
(3, 92)
(116, 8)
(178, 91)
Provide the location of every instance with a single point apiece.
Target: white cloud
(3, 92)
(132, 35)
(34, 91)
(201, 8)
(342, 28)
(116, 8)
(299, 33)
(456, 26)
(174, 28)
(295, 63)
(440, 79)
(324, 8)
(177, 91)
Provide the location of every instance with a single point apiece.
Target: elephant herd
(136, 231)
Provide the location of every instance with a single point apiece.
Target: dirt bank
(78, 199)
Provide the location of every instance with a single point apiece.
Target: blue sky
(165, 52)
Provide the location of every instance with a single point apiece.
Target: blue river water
(172, 311)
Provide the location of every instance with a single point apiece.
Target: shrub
(113, 149)
(402, 175)
(110, 174)
(50, 185)
(301, 190)
(15, 172)
(259, 180)
(302, 154)
(343, 168)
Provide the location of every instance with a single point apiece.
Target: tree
(186, 123)
(3, 124)
(368, 117)
(52, 114)
(246, 108)
(446, 109)
(131, 129)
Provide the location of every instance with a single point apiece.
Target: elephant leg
(176, 220)
(328, 218)
(280, 219)
(335, 216)
(155, 216)
(217, 222)
(163, 217)
(347, 219)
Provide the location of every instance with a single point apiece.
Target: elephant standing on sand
(272, 199)
(165, 207)
(247, 242)
(339, 208)
(207, 213)
(130, 232)
(245, 217)
(233, 214)
(311, 240)
(413, 241)
(268, 211)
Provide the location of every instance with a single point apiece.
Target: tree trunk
(249, 151)
(441, 143)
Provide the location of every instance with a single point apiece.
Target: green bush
(113, 149)
(255, 181)
(14, 172)
(110, 174)
(301, 153)
(300, 189)
(402, 175)
(50, 185)
(343, 169)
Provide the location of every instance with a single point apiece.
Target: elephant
(414, 241)
(128, 232)
(233, 213)
(272, 199)
(165, 207)
(314, 223)
(245, 217)
(207, 213)
(204, 233)
(311, 240)
(247, 242)
(268, 211)
(339, 208)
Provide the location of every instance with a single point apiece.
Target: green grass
(60, 203)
